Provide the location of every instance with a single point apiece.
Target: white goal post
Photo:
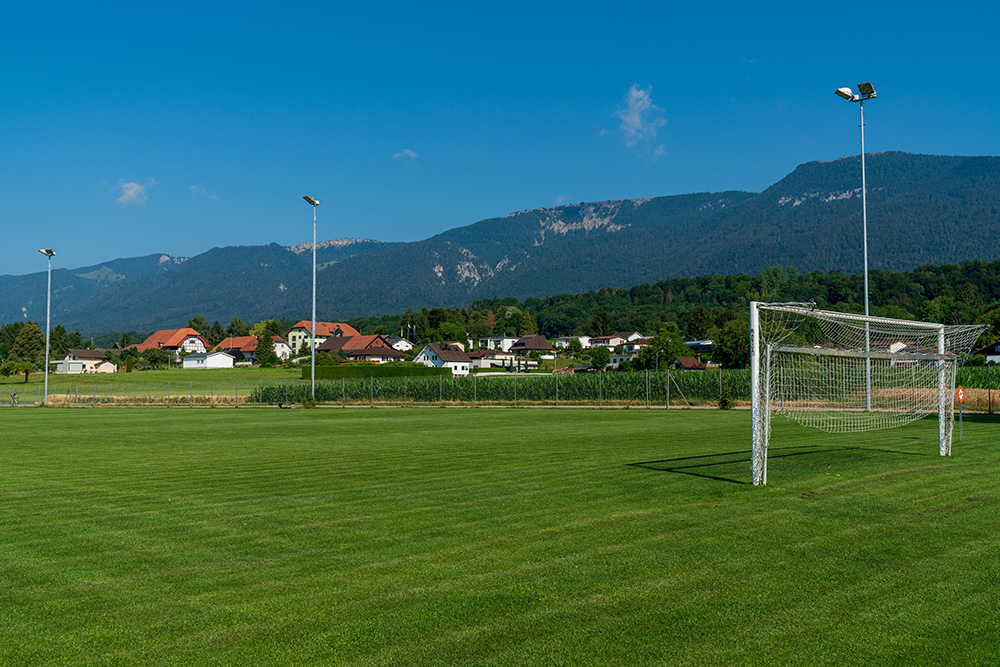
(847, 373)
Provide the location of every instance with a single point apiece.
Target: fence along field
(635, 390)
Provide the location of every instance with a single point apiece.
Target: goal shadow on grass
(708, 466)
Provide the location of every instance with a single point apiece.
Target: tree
(199, 324)
(156, 357)
(600, 324)
(215, 335)
(527, 327)
(237, 328)
(699, 324)
(29, 348)
(600, 357)
(664, 347)
(265, 356)
(732, 349)
(490, 320)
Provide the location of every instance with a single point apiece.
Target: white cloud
(561, 198)
(641, 120)
(406, 152)
(134, 193)
(200, 190)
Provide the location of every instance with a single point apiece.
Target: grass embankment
(527, 537)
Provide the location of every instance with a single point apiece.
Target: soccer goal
(846, 373)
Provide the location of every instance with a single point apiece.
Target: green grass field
(490, 537)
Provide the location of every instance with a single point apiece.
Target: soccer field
(490, 537)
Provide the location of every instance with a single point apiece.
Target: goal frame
(760, 367)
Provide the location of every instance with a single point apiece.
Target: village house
(374, 347)
(302, 330)
(243, 348)
(85, 361)
(207, 360)
(175, 341)
(442, 355)
(522, 347)
(564, 341)
(497, 343)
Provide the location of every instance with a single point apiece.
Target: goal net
(846, 373)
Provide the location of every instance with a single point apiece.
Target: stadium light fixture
(866, 91)
(48, 252)
(312, 334)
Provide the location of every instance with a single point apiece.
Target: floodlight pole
(312, 334)
(865, 92)
(48, 252)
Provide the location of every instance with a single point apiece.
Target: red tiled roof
(691, 364)
(326, 328)
(169, 338)
(351, 343)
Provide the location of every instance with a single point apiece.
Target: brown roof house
(528, 344)
(175, 341)
(688, 364)
(302, 330)
(442, 355)
(375, 348)
(85, 361)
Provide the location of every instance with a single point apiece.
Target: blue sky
(138, 128)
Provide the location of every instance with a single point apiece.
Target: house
(522, 347)
(244, 348)
(564, 341)
(632, 347)
(85, 361)
(175, 341)
(497, 343)
(610, 342)
(373, 347)
(206, 360)
(441, 355)
(400, 344)
(302, 331)
(700, 347)
(687, 364)
(376, 355)
(991, 352)
(491, 359)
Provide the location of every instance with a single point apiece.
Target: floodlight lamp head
(314, 202)
(846, 93)
(48, 252)
(866, 89)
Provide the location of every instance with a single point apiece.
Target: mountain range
(922, 209)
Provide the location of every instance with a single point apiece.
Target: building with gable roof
(302, 331)
(441, 355)
(175, 341)
(244, 348)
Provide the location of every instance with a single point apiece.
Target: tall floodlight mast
(48, 252)
(865, 92)
(312, 342)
